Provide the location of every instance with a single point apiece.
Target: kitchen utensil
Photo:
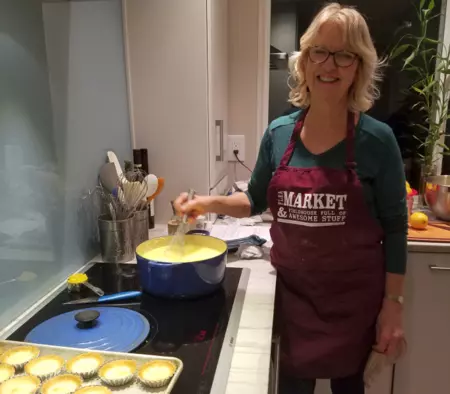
(100, 328)
(159, 189)
(108, 177)
(184, 280)
(75, 281)
(116, 239)
(140, 226)
(437, 196)
(177, 242)
(134, 189)
(111, 203)
(113, 159)
(125, 295)
(152, 185)
(435, 232)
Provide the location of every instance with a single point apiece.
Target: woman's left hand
(390, 335)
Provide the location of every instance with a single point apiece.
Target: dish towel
(378, 361)
(248, 252)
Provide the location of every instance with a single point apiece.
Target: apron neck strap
(349, 139)
(295, 135)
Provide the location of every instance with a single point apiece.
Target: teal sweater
(379, 168)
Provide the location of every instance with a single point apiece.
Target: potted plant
(428, 61)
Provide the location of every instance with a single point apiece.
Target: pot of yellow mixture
(194, 270)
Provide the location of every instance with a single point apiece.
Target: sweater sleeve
(390, 199)
(262, 174)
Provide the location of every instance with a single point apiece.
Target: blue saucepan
(182, 280)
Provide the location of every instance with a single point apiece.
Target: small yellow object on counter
(418, 221)
(77, 279)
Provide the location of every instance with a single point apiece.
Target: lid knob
(87, 319)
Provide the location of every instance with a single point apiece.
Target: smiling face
(326, 81)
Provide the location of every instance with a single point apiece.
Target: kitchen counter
(250, 365)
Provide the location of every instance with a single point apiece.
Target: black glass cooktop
(192, 330)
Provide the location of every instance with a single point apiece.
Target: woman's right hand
(199, 205)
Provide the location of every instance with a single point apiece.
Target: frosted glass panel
(63, 104)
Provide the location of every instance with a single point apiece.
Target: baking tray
(135, 387)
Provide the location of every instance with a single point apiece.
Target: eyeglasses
(320, 55)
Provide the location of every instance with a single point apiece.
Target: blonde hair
(364, 91)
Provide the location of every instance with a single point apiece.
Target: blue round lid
(115, 329)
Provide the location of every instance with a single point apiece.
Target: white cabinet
(177, 62)
(426, 366)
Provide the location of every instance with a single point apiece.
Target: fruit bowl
(437, 196)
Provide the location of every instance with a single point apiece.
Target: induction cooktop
(201, 332)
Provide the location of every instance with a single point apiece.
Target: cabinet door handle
(438, 268)
(219, 130)
(276, 364)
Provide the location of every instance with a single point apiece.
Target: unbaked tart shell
(157, 373)
(117, 373)
(94, 390)
(21, 384)
(62, 384)
(19, 356)
(86, 365)
(45, 367)
(6, 372)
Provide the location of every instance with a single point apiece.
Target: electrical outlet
(236, 142)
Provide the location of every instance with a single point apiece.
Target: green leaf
(422, 3)
(399, 50)
(431, 41)
(443, 146)
(409, 59)
(431, 5)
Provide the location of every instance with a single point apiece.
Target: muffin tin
(135, 386)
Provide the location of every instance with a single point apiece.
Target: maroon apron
(330, 264)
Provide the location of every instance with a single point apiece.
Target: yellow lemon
(419, 221)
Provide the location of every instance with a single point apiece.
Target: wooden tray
(135, 387)
(435, 232)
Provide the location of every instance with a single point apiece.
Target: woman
(333, 179)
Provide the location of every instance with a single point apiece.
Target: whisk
(127, 196)
(177, 242)
(133, 190)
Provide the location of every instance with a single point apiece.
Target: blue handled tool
(125, 295)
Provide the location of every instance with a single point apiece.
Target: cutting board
(435, 232)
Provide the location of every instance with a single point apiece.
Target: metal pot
(437, 195)
(182, 280)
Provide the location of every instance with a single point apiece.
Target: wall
(242, 76)
(63, 103)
